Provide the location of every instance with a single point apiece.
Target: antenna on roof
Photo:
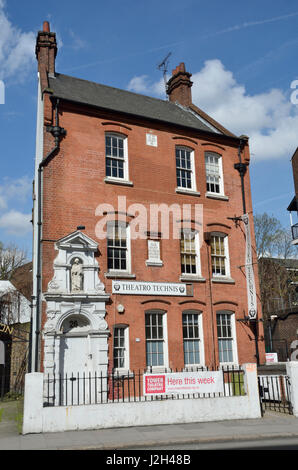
(163, 66)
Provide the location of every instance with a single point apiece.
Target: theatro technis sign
(250, 278)
(148, 288)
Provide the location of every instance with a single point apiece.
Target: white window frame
(220, 174)
(125, 368)
(227, 274)
(200, 339)
(193, 187)
(165, 365)
(233, 337)
(198, 273)
(125, 159)
(128, 248)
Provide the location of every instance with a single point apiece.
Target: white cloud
(269, 119)
(14, 190)
(143, 84)
(16, 48)
(249, 24)
(16, 223)
(14, 193)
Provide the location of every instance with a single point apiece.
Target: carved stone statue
(77, 276)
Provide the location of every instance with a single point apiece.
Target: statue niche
(76, 276)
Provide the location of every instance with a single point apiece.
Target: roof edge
(212, 121)
(228, 135)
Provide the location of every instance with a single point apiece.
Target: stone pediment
(77, 241)
(76, 268)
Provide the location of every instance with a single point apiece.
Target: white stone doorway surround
(75, 333)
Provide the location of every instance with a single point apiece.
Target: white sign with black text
(249, 271)
(148, 288)
(151, 140)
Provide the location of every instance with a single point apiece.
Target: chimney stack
(46, 51)
(179, 86)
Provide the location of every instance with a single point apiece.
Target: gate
(13, 362)
(275, 393)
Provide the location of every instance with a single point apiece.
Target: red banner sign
(183, 383)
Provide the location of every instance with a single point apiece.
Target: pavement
(272, 426)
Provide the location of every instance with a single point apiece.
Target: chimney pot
(46, 51)
(179, 86)
(46, 27)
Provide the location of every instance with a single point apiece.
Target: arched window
(75, 324)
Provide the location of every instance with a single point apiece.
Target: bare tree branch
(11, 258)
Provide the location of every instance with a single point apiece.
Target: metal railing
(275, 393)
(280, 304)
(86, 388)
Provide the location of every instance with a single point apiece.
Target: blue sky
(243, 57)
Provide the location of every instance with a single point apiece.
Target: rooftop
(113, 99)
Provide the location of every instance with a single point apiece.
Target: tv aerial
(163, 66)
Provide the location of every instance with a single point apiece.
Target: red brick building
(113, 162)
(293, 204)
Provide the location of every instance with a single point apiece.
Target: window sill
(217, 196)
(154, 263)
(122, 182)
(157, 369)
(122, 373)
(189, 277)
(119, 275)
(222, 365)
(223, 280)
(195, 368)
(189, 192)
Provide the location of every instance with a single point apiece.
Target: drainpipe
(242, 168)
(57, 133)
